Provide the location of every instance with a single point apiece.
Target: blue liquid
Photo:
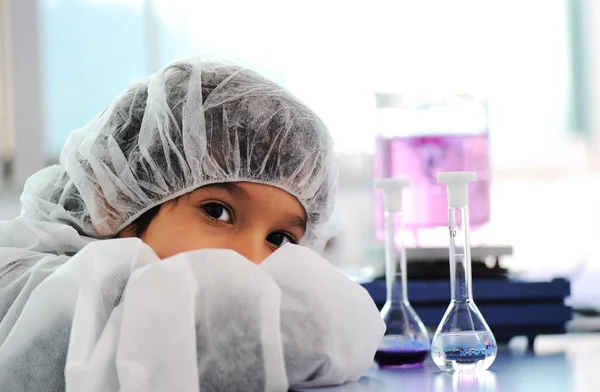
(464, 351)
(461, 357)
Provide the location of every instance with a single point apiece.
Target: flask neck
(395, 259)
(460, 254)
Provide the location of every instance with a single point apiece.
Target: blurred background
(531, 66)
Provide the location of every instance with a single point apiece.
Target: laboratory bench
(561, 363)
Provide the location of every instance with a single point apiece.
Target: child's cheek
(182, 239)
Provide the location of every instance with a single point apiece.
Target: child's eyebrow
(239, 192)
(296, 221)
(232, 189)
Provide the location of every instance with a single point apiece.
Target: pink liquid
(419, 159)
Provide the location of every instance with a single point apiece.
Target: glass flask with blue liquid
(463, 340)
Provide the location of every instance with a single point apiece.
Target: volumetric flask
(406, 341)
(463, 341)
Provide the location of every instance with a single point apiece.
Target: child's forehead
(249, 191)
(236, 189)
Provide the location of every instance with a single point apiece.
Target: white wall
(9, 206)
(592, 12)
(23, 86)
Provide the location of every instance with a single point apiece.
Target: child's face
(252, 219)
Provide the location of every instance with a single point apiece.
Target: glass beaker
(406, 341)
(463, 341)
(421, 135)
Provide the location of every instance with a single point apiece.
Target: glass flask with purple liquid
(418, 137)
(406, 341)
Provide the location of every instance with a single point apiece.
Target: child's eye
(280, 239)
(217, 211)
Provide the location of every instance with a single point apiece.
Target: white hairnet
(192, 124)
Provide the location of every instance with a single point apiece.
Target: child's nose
(254, 249)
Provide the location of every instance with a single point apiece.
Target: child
(199, 156)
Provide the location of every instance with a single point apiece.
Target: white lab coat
(84, 315)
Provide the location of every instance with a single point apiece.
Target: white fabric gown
(82, 315)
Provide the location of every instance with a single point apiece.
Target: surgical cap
(192, 124)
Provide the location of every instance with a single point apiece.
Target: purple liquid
(419, 159)
(387, 358)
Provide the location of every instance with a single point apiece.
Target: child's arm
(41, 295)
(115, 317)
(209, 317)
(330, 326)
